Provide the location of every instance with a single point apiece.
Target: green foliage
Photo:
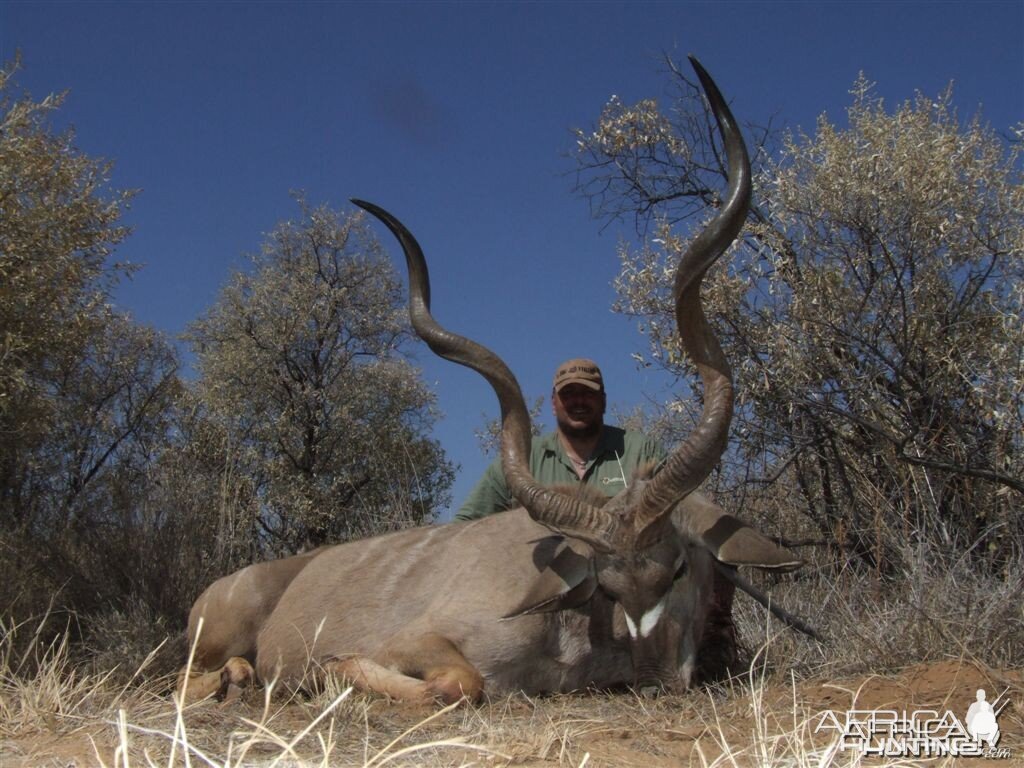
(301, 368)
(872, 312)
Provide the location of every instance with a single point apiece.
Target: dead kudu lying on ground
(559, 595)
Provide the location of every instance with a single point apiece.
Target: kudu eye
(611, 594)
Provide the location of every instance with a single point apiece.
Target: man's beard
(589, 430)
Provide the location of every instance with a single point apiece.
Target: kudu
(559, 595)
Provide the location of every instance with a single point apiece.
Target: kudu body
(559, 595)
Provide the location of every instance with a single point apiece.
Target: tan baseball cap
(579, 370)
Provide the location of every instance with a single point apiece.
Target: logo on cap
(579, 371)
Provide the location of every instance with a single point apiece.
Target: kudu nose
(653, 685)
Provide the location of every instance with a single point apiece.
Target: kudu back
(558, 595)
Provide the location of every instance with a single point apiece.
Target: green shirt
(618, 454)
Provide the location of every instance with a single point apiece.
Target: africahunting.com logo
(921, 732)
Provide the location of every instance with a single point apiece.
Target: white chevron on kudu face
(648, 621)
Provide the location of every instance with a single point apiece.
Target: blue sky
(457, 117)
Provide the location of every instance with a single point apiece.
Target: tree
(84, 391)
(56, 233)
(488, 434)
(301, 366)
(199, 512)
(872, 310)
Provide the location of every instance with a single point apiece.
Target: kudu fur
(558, 595)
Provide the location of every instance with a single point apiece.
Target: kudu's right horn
(693, 460)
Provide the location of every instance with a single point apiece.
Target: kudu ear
(728, 538)
(567, 581)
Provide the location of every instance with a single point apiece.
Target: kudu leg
(423, 669)
(225, 683)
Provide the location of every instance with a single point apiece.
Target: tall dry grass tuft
(132, 641)
(40, 684)
(941, 606)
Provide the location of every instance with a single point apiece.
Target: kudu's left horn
(563, 513)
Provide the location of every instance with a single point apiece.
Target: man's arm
(488, 496)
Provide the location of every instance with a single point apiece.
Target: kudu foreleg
(225, 683)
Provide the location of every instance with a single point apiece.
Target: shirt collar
(606, 444)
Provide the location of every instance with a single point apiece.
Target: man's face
(579, 410)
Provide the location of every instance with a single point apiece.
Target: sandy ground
(767, 725)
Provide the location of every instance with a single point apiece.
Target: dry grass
(53, 713)
(941, 608)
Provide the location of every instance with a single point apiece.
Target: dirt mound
(778, 723)
(944, 685)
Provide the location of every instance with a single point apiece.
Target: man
(582, 449)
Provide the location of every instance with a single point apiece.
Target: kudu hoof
(236, 675)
